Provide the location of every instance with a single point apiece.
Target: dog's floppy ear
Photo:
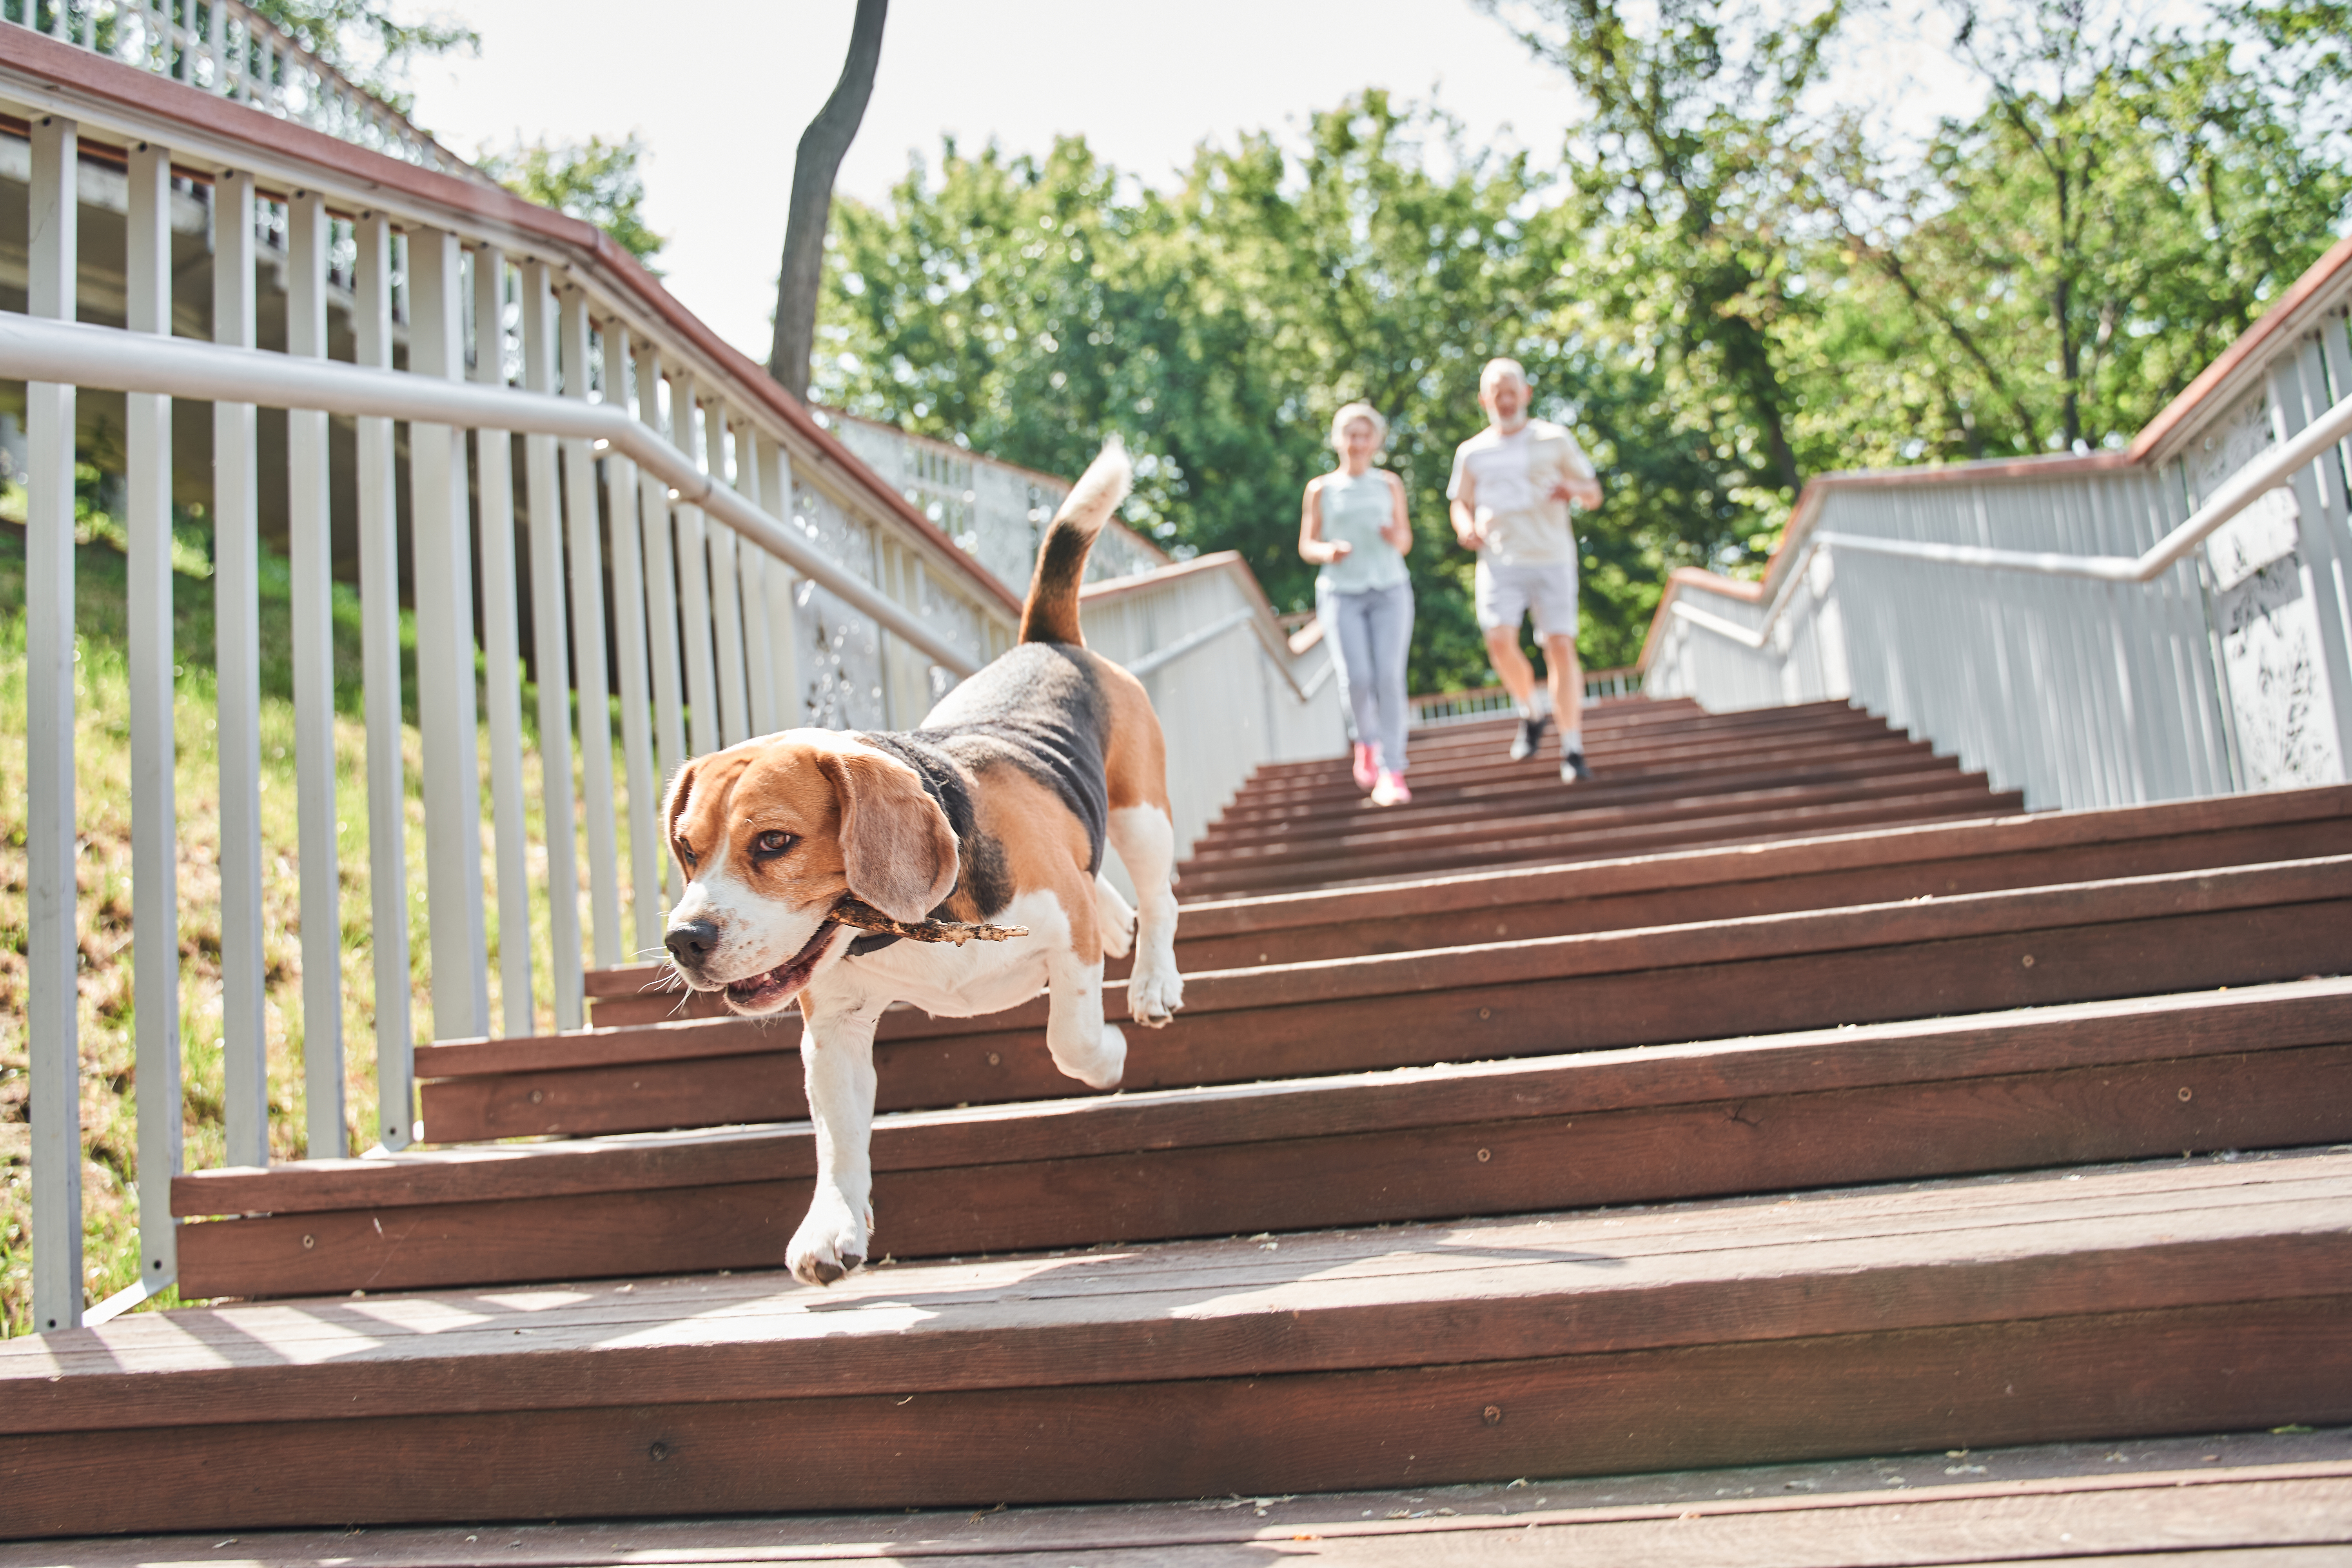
(896, 845)
(681, 789)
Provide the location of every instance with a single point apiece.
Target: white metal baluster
(395, 1074)
(445, 652)
(776, 485)
(726, 595)
(641, 780)
(592, 677)
(52, 1022)
(501, 650)
(154, 835)
(754, 564)
(216, 46)
(661, 600)
(189, 41)
(310, 560)
(694, 584)
(556, 800)
(236, 619)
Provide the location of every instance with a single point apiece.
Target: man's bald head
(1503, 394)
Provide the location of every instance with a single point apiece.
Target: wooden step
(1874, 963)
(1517, 786)
(1488, 756)
(1571, 839)
(1877, 866)
(1436, 828)
(2131, 1301)
(2260, 1067)
(2168, 1503)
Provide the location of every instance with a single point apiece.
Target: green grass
(110, 1087)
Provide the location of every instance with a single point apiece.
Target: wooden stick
(866, 917)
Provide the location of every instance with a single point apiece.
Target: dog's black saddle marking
(1038, 709)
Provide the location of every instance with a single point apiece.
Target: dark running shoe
(1529, 737)
(1574, 768)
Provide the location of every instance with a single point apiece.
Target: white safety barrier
(2155, 624)
(493, 416)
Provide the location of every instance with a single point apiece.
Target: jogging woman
(1352, 524)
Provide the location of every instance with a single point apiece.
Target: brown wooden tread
(1571, 842)
(2169, 1502)
(1676, 886)
(2266, 1067)
(1765, 973)
(2179, 1296)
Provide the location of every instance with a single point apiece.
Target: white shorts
(1504, 594)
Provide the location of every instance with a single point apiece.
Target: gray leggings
(1372, 635)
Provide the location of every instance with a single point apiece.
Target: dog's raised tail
(1051, 614)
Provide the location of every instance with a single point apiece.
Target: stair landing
(2240, 1500)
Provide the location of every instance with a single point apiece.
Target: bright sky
(721, 102)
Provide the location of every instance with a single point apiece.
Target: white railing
(1438, 710)
(220, 46)
(530, 442)
(2162, 622)
(1230, 690)
(995, 510)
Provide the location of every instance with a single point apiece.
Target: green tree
(597, 182)
(368, 41)
(2067, 261)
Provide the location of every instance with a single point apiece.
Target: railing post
(661, 602)
(445, 653)
(557, 800)
(237, 593)
(501, 651)
(726, 594)
(776, 485)
(154, 836)
(588, 663)
(311, 546)
(694, 583)
(387, 798)
(640, 781)
(759, 668)
(52, 1024)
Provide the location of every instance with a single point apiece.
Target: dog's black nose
(692, 942)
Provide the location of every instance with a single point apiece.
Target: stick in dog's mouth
(758, 992)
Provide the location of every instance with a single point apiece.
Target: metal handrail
(2273, 471)
(34, 349)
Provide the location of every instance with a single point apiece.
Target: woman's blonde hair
(1349, 415)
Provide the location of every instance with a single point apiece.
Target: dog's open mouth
(764, 992)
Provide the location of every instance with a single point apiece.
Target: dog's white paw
(830, 1242)
(1154, 992)
(1103, 1067)
(1114, 920)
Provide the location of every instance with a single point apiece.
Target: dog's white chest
(965, 982)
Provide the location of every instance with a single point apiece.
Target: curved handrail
(33, 349)
(2269, 472)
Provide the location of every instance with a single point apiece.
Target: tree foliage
(597, 182)
(1723, 285)
(367, 40)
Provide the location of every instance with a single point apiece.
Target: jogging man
(1513, 485)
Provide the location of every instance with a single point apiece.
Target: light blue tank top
(1354, 507)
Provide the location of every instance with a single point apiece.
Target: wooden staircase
(1781, 1095)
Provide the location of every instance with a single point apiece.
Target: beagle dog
(995, 810)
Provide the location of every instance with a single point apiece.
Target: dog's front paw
(830, 1242)
(1154, 992)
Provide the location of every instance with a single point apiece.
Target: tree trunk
(822, 145)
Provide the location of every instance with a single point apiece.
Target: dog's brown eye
(773, 842)
(687, 857)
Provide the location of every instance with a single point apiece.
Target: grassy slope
(110, 1088)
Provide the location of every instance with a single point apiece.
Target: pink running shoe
(1368, 766)
(1390, 790)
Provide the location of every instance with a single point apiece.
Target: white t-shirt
(1514, 477)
